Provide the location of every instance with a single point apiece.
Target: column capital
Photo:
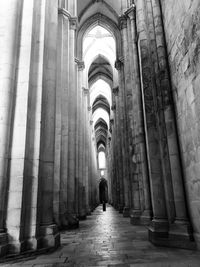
(64, 12)
(85, 90)
(119, 64)
(80, 64)
(89, 108)
(91, 122)
(123, 22)
(131, 12)
(115, 90)
(73, 23)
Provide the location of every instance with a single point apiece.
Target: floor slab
(108, 239)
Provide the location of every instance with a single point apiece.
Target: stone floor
(108, 239)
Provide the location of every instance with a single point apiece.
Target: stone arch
(103, 21)
(101, 76)
(103, 56)
(90, 4)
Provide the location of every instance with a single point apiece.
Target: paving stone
(108, 239)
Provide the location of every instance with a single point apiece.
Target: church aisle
(108, 239)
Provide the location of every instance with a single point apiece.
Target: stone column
(47, 232)
(133, 145)
(62, 114)
(139, 158)
(90, 165)
(88, 110)
(180, 229)
(33, 132)
(79, 148)
(123, 132)
(159, 224)
(10, 18)
(94, 170)
(72, 108)
(129, 113)
(57, 153)
(117, 146)
(85, 150)
(18, 142)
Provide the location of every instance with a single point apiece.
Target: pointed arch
(106, 23)
(91, 3)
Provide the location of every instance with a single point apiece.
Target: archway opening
(100, 76)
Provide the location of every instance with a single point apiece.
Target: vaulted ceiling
(99, 55)
(96, 6)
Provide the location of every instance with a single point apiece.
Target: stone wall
(181, 20)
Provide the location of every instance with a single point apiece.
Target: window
(102, 160)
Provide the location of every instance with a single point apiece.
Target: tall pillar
(127, 79)
(159, 224)
(88, 110)
(81, 156)
(62, 113)
(90, 177)
(47, 230)
(72, 109)
(118, 147)
(139, 158)
(123, 132)
(133, 144)
(85, 151)
(10, 18)
(180, 228)
(17, 161)
(33, 132)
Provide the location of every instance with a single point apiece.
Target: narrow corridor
(108, 239)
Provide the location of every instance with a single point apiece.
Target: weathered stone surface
(182, 27)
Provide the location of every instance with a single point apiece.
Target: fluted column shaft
(17, 162)
(133, 147)
(139, 157)
(123, 131)
(118, 146)
(72, 121)
(10, 18)
(48, 229)
(62, 119)
(81, 211)
(129, 112)
(159, 222)
(176, 187)
(87, 155)
(79, 147)
(33, 133)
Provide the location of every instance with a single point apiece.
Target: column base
(126, 212)
(49, 237)
(69, 221)
(135, 217)
(82, 215)
(146, 217)
(3, 244)
(158, 231)
(88, 213)
(16, 247)
(31, 244)
(180, 235)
